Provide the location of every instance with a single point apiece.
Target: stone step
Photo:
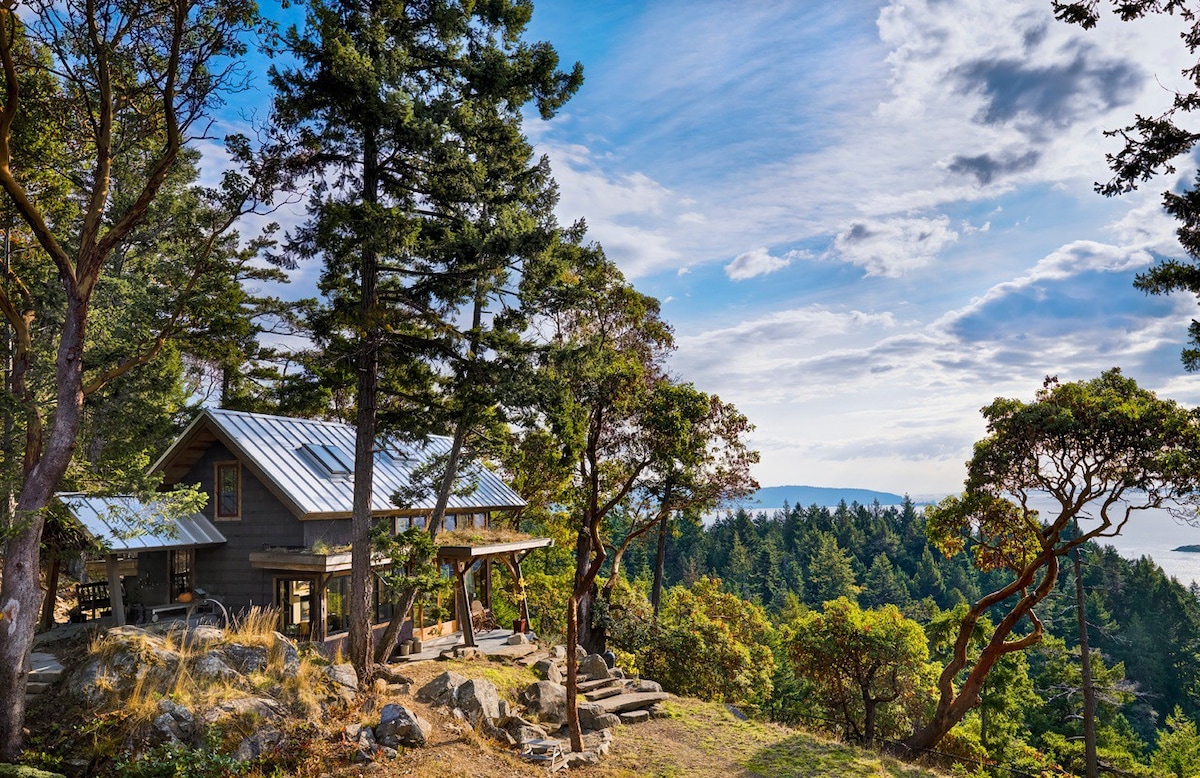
(530, 660)
(587, 686)
(603, 693)
(41, 662)
(635, 716)
(45, 676)
(36, 687)
(631, 701)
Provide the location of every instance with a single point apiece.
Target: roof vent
(334, 461)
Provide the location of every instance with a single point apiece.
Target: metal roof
(303, 459)
(125, 524)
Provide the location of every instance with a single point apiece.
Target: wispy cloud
(757, 262)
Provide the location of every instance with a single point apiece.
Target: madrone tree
(1100, 451)
(132, 83)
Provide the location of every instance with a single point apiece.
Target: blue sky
(866, 220)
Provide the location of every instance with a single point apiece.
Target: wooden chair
(482, 618)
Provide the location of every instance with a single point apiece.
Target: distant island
(1192, 548)
(776, 496)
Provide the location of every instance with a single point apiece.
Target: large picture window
(228, 490)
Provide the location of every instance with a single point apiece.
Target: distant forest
(1145, 627)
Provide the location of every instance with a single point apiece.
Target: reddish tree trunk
(45, 463)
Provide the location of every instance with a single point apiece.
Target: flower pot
(416, 645)
(405, 648)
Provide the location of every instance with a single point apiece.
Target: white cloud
(756, 262)
(892, 246)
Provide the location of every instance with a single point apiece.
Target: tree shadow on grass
(804, 755)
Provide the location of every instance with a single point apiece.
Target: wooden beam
(114, 589)
(464, 604)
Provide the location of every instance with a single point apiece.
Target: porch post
(114, 589)
(519, 582)
(320, 618)
(464, 604)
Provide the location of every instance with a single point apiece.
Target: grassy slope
(698, 739)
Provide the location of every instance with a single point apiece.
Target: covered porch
(128, 530)
(465, 553)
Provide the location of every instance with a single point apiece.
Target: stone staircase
(44, 671)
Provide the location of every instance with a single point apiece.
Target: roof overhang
(464, 553)
(308, 562)
(124, 525)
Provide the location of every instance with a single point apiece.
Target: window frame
(218, 467)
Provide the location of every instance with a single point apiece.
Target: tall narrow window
(182, 562)
(228, 490)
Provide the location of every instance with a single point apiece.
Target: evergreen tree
(408, 116)
(829, 574)
(882, 586)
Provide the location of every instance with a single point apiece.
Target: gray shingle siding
(224, 571)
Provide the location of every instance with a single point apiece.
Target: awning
(124, 524)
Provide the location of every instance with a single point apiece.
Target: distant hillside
(775, 496)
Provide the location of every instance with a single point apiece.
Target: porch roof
(124, 524)
(470, 552)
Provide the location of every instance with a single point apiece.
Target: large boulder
(344, 681)
(399, 726)
(212, 666)
(441, 690)
(248, 708)
(549, 670)
(521, 730)
(127, 657)
(262, 740)
(478, 699)
(546, 701)
(284, 651)
(174, 724)
(594, 667)
(246, 658)
(593, 717)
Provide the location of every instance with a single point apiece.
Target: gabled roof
(124, 524)
(308, 464)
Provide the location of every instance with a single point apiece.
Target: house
(276, 529)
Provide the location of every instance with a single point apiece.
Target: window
(293, 597)
(228, 490)
(182, 561)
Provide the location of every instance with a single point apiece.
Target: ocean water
(1154, 533)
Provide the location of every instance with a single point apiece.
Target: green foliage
(869, 668)
(709, 644)
(175, 761)
(1178, 751)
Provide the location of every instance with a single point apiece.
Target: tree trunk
(358, 641)
(660, 561)
(953, 704)
(1085, 667)
(572, 679)
(46, 459)
(401, 611)
(51, 599)
(593, 637)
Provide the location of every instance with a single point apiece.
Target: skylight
(335, 461)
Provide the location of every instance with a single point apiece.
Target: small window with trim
(228, 491)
